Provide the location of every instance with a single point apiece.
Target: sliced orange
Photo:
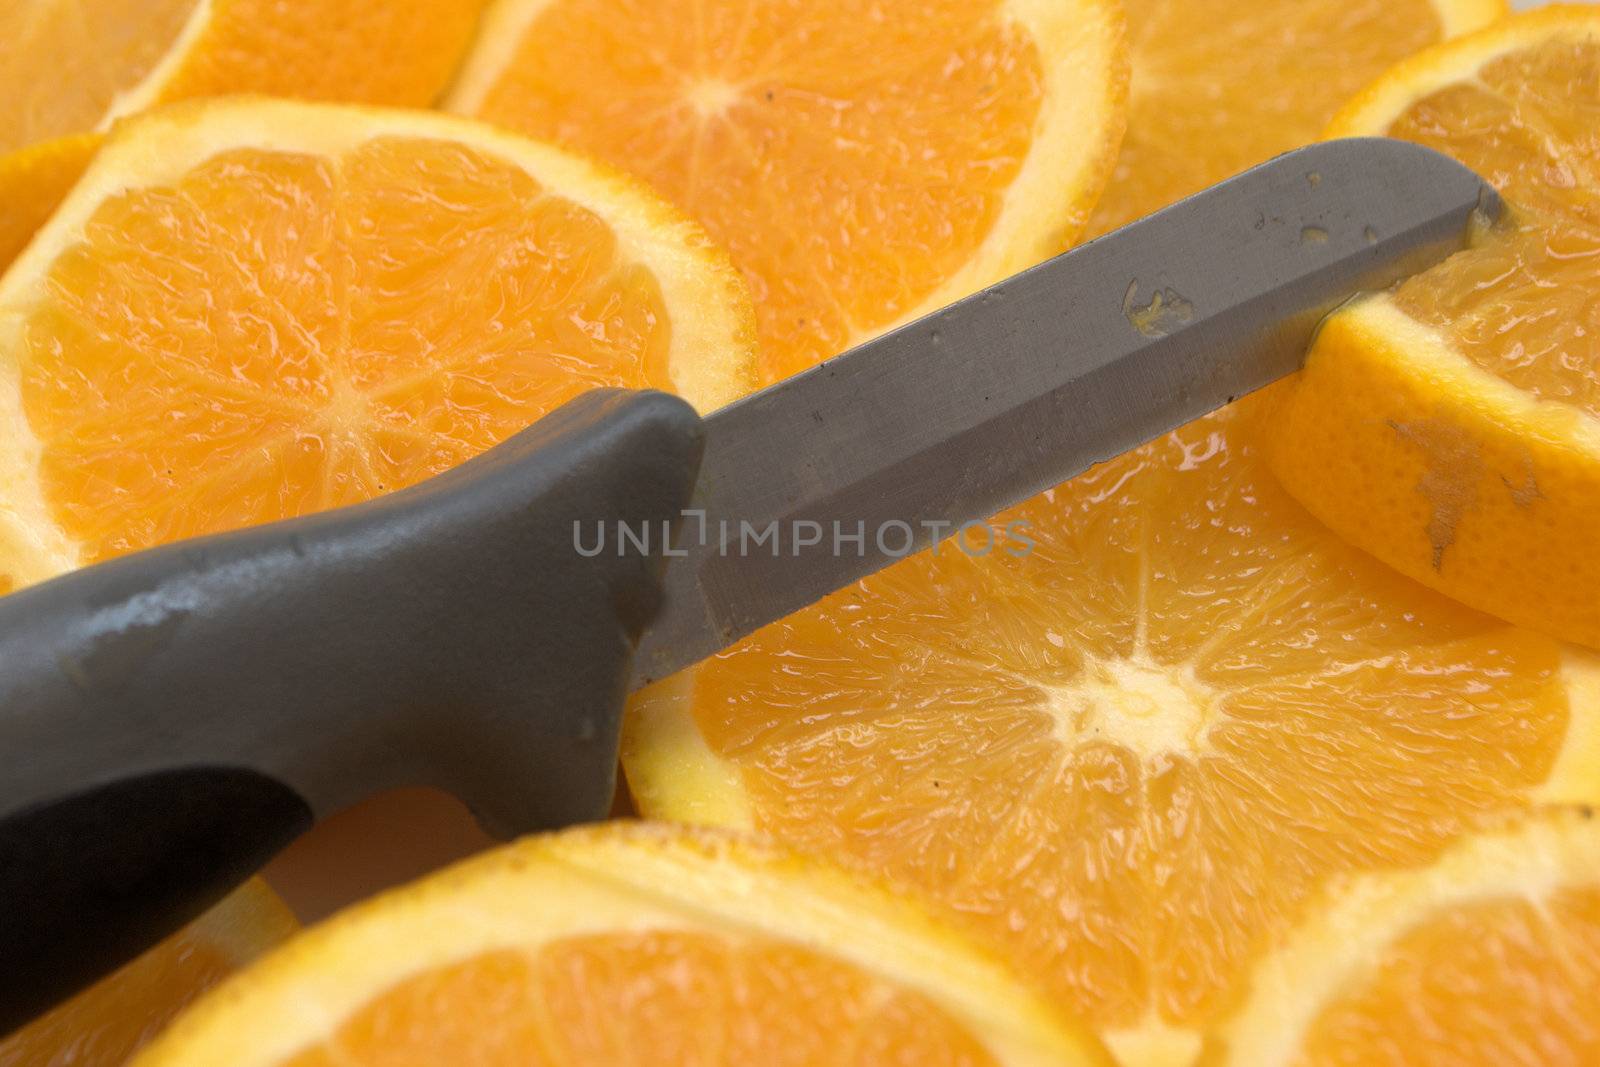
(1491, 958)
(250, 309)
(1128, 754)
(33, 182)
(107, 1023)
(862, 164)
(627, 945)
(1452, 427)
(72, 66)
(1219, 86)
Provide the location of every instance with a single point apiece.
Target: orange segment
(107, 1023)
(1452, 427)
(33, 182)
(1219, 87)
(629, 945)
(861, 167)
(302, 307)
(1130, 753)
(73, 65)
(1490, 958)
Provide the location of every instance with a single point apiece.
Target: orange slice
(33, 182)
(1488, 959)
(74, 65)
(251, 309)
(1452, 427)
(1128, 740)
(627, 945)
(863, 165)
(107, 1023)
(1219, 86)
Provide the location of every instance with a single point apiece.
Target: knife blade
(825, 478)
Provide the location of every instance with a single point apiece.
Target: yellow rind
(247, 922)
(1350, 441)
(1154, 1043)
(1077, 134)
(711, 354)
(620, 876)
(1574, 778)
(1457, 17)
(1374, 109)
(155, 87)
(501, 28)
(672, 772)
(1358, 918)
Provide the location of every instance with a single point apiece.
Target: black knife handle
(171, 719)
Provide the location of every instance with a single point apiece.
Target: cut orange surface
(1489, 959)
(33, 182)
(107, 1023)
(1452, 427)
(862, 164)
(71, 66)
(627, 945)
(1130, 754)
(1219, 86)
(249, 310)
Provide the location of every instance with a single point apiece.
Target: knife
(171, 719)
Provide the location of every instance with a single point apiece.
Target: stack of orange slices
(1197, 769)
(1131, 758)
(1452, 427)
(1136, 758)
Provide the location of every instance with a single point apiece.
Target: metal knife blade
(979, 406)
